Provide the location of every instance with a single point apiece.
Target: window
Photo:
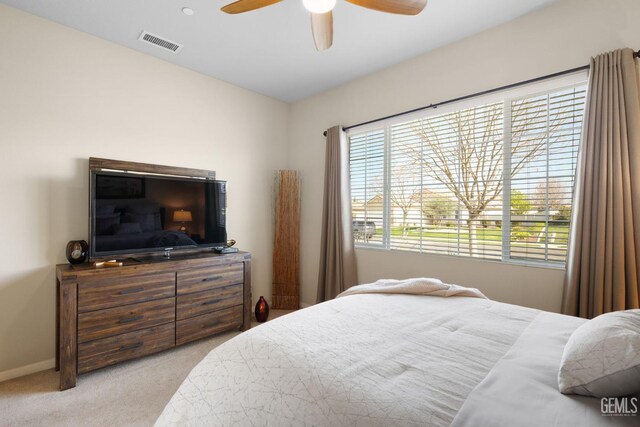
(492, 180)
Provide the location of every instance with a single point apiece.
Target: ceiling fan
(322, 18)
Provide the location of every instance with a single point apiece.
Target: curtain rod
(473, 95)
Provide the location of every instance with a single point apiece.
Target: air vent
(160, 42)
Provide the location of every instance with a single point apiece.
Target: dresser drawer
(201, 302)
(208, 324)
(113, 321)
(116, 291)
(202, 279)
(108, 351)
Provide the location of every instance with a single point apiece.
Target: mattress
(389, 359)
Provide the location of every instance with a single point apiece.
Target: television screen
(144, 213)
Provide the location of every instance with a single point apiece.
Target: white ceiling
(271, 50)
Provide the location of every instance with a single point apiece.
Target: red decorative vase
(262, 310)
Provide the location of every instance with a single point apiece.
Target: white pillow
(602, 357)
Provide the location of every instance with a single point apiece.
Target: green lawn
(486, 234)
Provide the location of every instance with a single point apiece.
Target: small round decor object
(230, 243)
(77, 251)
(262, 310)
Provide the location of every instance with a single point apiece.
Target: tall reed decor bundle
(286, 243)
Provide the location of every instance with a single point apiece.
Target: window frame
(507, 97)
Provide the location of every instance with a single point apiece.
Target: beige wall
(66, 96)
(556, 38)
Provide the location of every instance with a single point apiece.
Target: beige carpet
(130, 394)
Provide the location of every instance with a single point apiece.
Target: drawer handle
(131, 291)
(131, 346)
(131, 319)
(213, 301)
(210, 279)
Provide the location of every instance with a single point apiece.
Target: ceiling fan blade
(247, 5)
(401, 7)
(322, 28)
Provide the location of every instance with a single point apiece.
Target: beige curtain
(604, 254)
(337, 255)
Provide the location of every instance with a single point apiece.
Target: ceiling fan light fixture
(322, 15)
(319, 6)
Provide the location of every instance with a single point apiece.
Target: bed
(380, 359)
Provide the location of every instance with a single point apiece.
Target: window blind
(491, 181)
(366, 167)
(542, 186)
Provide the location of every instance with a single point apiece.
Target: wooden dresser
(107, 315)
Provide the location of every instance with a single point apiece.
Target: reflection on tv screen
(134, 213)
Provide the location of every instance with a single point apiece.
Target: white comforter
(415, 286)
(381, 360)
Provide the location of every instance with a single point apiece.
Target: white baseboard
(27, 369)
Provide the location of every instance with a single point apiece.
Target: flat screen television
(133, 213)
